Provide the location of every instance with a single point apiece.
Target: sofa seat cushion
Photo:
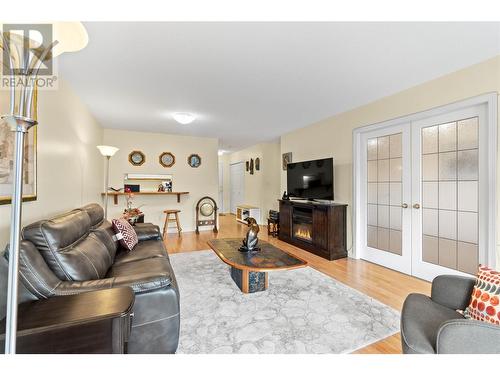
(146, 268)
(143, 250)
(420, 322)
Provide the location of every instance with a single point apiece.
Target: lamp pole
(20, 127)
(106, 188)
(108, 152)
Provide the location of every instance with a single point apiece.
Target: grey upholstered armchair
(432, 325)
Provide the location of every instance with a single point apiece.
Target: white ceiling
(252, 82)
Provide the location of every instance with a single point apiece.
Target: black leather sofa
(75, 252)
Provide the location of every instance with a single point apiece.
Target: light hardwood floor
(387, 286)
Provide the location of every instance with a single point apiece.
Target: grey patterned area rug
(303, 311)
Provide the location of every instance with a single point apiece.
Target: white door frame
(490, 100)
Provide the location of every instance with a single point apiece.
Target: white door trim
(491, 102)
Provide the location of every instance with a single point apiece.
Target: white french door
(386, 191)
(424, 193)
(449, 170)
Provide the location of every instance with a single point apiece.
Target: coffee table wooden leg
(245, 279)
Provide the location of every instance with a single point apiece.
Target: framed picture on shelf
(7, 164)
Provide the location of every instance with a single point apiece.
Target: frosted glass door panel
(450, 186)
(384, 186)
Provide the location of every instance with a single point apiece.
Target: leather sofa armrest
(467, 336)
(139, 283)
(147, 231)
(452, 291)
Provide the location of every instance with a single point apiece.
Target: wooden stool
(175, 219)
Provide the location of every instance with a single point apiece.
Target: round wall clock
(136, 158)
(194, 160)
(167, 159)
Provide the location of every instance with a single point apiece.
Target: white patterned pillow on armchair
(125, 233)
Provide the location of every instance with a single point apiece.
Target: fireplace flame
(303, 233)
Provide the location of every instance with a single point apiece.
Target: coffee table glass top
(267, 259)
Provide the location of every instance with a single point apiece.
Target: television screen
(311, 179)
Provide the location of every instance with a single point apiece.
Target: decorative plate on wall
(136, 158)
(167, 159)
(194, 160)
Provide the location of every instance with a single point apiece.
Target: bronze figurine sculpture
(250, 242)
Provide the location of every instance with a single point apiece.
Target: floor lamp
(23, 64)
(108, 152)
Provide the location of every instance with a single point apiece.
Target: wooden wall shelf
(116, 194)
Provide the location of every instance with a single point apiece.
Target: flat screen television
(311, 179)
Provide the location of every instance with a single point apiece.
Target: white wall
(69, 165)
(262, 189)
(199, 181)
(332, 137)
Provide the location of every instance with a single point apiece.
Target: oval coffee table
(249, 269)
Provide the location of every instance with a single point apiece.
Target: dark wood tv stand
(319, 228)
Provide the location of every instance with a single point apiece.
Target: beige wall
(262, 189)
(199, 181)
(332, 137)
(69, 165)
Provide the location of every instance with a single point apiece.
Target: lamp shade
(70, 36)
(107, 150)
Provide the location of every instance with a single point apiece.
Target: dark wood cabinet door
(285, 221)
(320, 228)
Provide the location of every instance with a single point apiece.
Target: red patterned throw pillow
(484, 304)
(125, 233)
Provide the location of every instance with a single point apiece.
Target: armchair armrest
(451, 291)
(466, 336)
(147, 231)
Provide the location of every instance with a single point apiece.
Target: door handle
(416, 206)
(404, 205)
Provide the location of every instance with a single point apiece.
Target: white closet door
(237, 180)
(385, 196)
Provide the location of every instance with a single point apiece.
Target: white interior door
(449, 181)
(221, 187)
(385, 196)
(237, 181)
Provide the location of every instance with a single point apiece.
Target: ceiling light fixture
(184, 118)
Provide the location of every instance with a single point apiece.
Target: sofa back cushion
(102, 228)
(69, 246)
